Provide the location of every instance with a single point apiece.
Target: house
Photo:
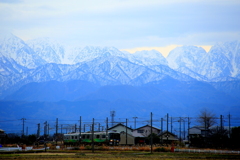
(120, 128)
(143, 132)
(167, 137)
(197, 131)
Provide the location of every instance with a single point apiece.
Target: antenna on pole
(112, 114)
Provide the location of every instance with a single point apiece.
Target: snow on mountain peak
(49, 50)
(223, 60)
(90, 52)
(147, 58)
(186, 56)
(15, 48)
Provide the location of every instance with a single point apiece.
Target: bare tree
(206, 118)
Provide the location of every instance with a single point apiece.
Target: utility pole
(56, 130)
(180, 120)
(107, 130)
(188, 127)
(48, 128)
(183, 129)
(38, 130)
(167, 128)
(171, 125)
(135, 122)
(151, 135)
(229, 126)
(23, 119)
(80, 130)
(45, 128)
(162, 130)
(112, 114)
(93, 136)
(205, 125)
(126, 133)
(221, 123)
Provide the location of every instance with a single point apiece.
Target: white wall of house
(121, 128)
(145, 131)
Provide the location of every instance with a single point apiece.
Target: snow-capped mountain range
(43, 60)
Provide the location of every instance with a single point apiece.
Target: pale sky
(125, 24)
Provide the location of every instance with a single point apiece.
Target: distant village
(208, 134)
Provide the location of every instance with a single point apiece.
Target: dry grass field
(115, 155)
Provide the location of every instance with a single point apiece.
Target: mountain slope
(13, 47)
(49, 51)
(147, 58)
(53, 91)
(222, 61)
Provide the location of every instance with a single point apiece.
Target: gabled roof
(147, 126)
(166, 132)
(173, 137)
(198, 127)
(119, 124)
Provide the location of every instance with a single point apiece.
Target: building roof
(147, 126)
(119, 124)
(172, 136)
(166, 132)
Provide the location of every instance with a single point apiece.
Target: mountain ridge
(108, 66)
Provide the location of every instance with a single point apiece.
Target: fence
(206, 151)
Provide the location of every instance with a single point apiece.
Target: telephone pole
(23, 119)
(162, 130)
(135, 122)
(80, 129)
(188, 128)
(221, 123)
(151, 135)
(56, 130)
(107, 130)
(167, 128)
(180, 121)
(45, 128)
(112, 114)
(93, 136)
(38, 130)
(126, 132)
(229, 126)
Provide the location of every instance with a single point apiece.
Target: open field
(117, 155)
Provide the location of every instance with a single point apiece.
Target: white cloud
(124, 23)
